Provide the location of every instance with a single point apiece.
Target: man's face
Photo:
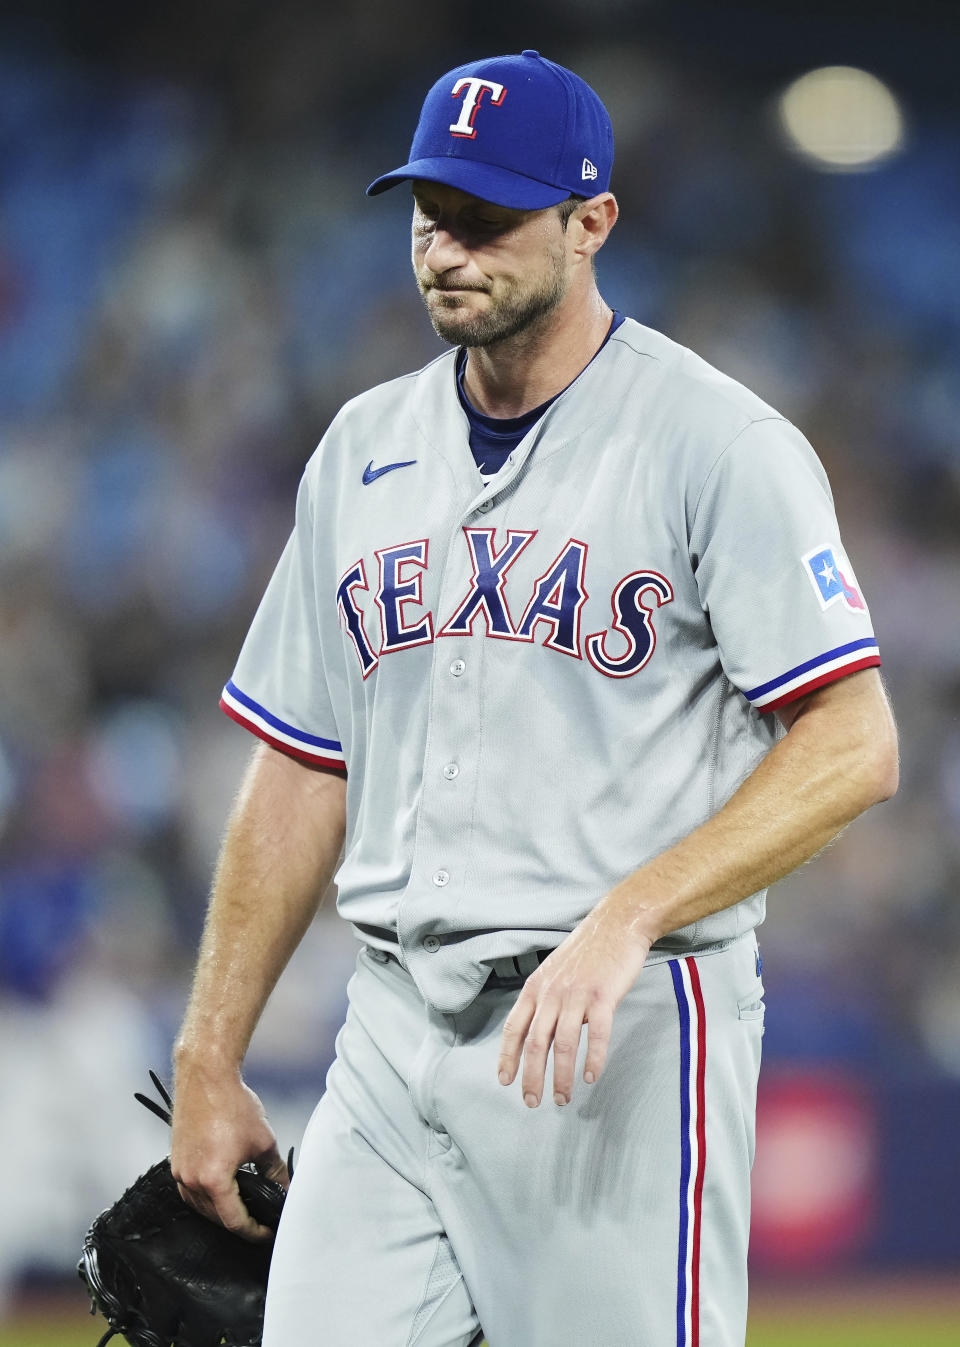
(485, 272)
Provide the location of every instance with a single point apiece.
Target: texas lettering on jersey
(551, 615)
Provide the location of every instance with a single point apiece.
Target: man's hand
(279, 853)
(838, 758)
(582, 982)
(218, 1125)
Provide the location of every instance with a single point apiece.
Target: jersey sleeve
(785, 607)
(278, 690)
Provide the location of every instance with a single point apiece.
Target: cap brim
(497, 185)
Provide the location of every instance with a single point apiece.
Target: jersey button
(441, 878)
(457, 667)
(451, 770)
(431, 944)
(484, 506)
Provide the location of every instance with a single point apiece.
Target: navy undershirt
(492, 438)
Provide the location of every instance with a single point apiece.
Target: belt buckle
(513, 970)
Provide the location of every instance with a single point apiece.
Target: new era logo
(589, 171)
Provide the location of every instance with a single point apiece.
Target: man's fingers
(535, 1050)
(197, 1199)
(225, 1207)
(233, 1214)
(599, 1026)
(272, 1165)
(566, 1043)
(514, 1033)
(550, 1014)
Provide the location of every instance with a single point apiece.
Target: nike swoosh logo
(370, 473)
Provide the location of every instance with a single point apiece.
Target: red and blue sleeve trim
(263, 723)
(815, 673)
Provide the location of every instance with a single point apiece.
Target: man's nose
(445, 252)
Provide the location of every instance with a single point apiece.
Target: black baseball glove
(162, 1275)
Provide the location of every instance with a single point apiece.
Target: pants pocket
(750, 1006)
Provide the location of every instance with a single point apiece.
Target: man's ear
(593, 220)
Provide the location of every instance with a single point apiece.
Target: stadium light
(841, 119)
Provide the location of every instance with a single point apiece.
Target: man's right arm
(279, 854)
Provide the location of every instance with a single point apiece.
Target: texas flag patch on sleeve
(833, 579)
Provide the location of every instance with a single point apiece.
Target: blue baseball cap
(519, 131)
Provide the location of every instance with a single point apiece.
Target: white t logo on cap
(463, 126)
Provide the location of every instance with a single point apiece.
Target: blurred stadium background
(191, 282)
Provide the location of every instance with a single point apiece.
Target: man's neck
(513, 376)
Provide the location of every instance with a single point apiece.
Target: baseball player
(522, 677)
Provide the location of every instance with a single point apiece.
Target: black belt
(508, 972)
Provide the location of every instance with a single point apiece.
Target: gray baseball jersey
(539, 684)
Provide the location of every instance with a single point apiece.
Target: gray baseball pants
(431, 1207)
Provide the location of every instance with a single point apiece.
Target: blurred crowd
(191, 283)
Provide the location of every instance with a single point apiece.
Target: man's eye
(429, 217)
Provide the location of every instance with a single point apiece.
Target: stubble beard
(509, 317)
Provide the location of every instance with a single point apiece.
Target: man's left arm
(838, 757)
